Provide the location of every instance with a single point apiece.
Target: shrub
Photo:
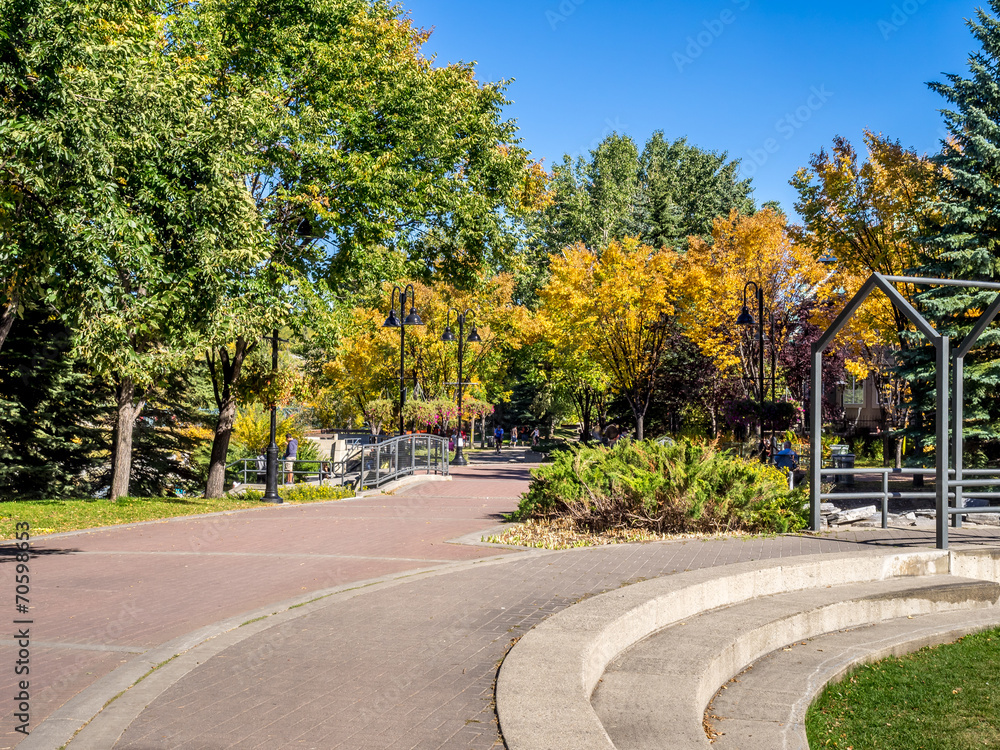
(682, 487)
(299, 494)
(549, 446)
(252, 429)
(306, 458)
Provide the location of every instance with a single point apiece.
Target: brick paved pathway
(101, 598)
(413, 667)
(406, 663)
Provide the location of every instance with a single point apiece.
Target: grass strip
(52, 516)
(939, 698)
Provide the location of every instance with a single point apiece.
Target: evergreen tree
(684, 189)
(48, 414)
(967, 243)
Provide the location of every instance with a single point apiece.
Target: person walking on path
(513, 436)
(535, 437)
(291, 450)
(498, 438)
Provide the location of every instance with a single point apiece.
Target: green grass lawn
(939, 698)
(50, 516)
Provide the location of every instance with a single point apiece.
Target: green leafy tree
(182, 220)
(671, 192)
(613, 189)
(61, 66)
(375, 161)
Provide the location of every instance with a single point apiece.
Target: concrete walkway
(402, 654)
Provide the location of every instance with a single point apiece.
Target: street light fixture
(473, 338)
(745, 319)
(413, 319)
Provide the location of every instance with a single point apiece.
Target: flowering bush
(439, 412)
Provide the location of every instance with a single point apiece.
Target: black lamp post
(746, 319)
(474, 339)
(393, 322)
(271, 487)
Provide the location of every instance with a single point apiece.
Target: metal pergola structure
(949, 475)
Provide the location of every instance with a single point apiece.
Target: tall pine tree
(48, 413)
(966, 245)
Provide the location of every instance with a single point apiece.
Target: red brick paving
(140, 586)
(411, 666)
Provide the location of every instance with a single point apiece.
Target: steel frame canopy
(945, 462)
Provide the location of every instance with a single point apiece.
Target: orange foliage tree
(610, 311)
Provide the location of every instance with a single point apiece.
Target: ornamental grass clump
(686, 487)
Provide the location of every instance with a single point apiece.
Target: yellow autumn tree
(614, 306)
(869, 215)
(745, 249)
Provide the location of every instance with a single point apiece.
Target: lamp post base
(271, 487)
(460, 459)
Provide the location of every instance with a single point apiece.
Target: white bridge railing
(363, 466)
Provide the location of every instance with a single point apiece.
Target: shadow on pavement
(8, 554)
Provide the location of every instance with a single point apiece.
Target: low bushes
(299, 494)
(683, 487)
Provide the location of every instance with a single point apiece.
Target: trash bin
(844, 461)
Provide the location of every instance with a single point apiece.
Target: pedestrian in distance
(291, 450)
(513, 436)
(498, 438)
(535, 437)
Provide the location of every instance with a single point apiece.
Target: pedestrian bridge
(363, 466)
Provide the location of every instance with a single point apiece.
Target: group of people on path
(515, 436)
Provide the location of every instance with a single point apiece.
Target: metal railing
(956, 508)
(363, 466)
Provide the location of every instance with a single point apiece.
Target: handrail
(885, 493)
(366, 465)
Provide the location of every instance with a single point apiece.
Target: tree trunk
(224, 376)
(584, 397)
(121, 437)
(638, 426)
(7, 317)
(216, 485)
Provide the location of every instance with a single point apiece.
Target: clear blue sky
(728, 74)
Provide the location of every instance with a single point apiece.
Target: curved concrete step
(764, 707)
(545, 683)
(660, 686)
